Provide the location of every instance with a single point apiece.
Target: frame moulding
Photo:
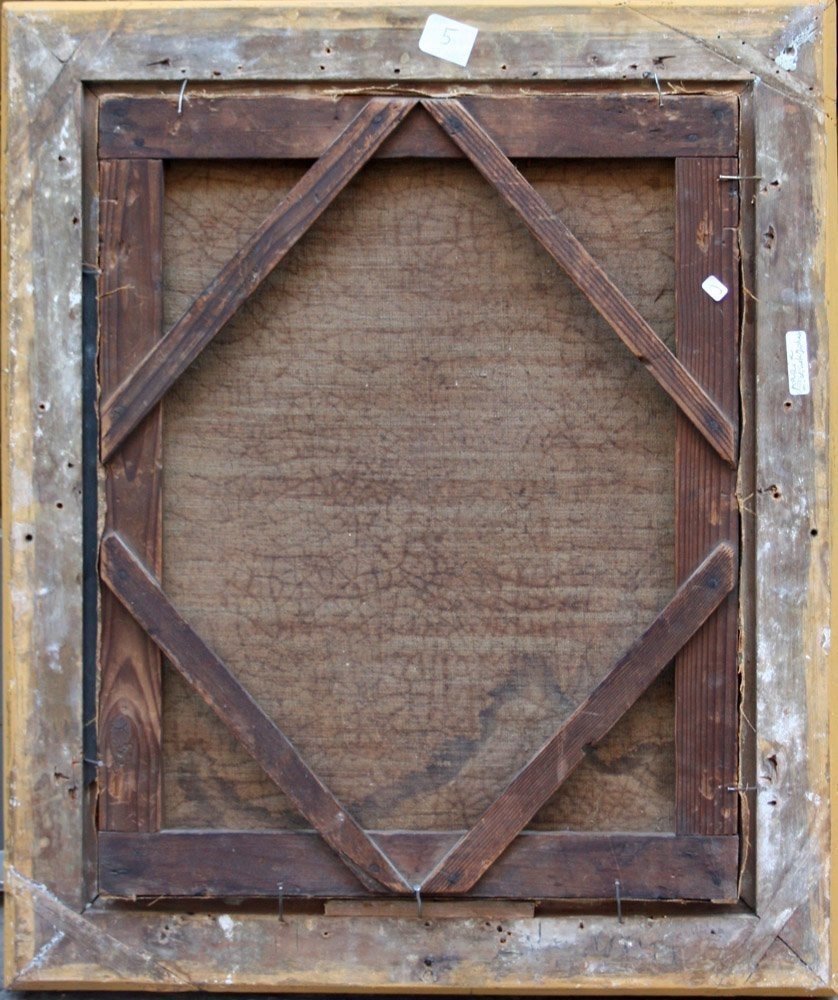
(781, 59)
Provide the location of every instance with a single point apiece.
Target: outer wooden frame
(780, 58)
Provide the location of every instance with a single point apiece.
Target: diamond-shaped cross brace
(137, 587)
(125, 408)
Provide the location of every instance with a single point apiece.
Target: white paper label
(797, 356)
(447, 39)
(714, 288)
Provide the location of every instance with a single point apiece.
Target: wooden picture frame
(135, 858)
(722, 91)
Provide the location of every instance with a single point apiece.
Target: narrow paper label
(797, 356)
(447, 39)
(715, 289)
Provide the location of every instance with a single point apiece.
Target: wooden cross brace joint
(124, 409)
(693, 603)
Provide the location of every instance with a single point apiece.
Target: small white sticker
(714, 288)
(447, 39)
(797, 356)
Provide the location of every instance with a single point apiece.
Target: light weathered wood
(387, 955)
(690, 397)
(117, 960)
(277, 127)
(126, 406)
(41, 317)
(790, 509)
(132, 583)
(519, 44)
(707, 338)
(48, 53)
(130, 323)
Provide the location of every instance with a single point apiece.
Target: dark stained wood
(130, 319)
(694, 602)
(282, 127)
(593, 282)
(125, 407)
(707, 335)
(537, 866)
(495, 910)
(457, 872)
(131, 582)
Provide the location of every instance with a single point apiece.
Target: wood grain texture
(537, 866)
(124, 408)
(707, 338)
(594, 283)
(433, 909)
(420, 502)
(140, 593)
(291, 127)
(519, 44)
(790, 508)
(389, 956)
(130, 324)
(42, 531)
(50, 52)
(694, 602)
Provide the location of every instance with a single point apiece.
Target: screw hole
(28, 538)
(814, 532)
(60, 506)
(787, 404)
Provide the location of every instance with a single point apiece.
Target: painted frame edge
(48, 52)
